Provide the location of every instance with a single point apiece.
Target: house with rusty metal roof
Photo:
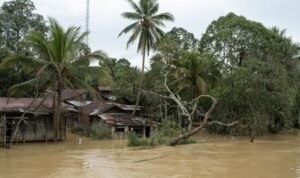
(121, 124)
(35, 116)
(110, 114)
(117, 117)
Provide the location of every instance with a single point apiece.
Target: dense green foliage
(17, 18)
(259, 76)
(122, 77)
(250, 69)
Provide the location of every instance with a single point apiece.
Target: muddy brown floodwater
(275, 156)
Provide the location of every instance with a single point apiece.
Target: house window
(119, 129)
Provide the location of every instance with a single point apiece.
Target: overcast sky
(193, 15)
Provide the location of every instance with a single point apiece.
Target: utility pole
(87, 20)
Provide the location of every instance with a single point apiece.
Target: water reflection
(216, 156)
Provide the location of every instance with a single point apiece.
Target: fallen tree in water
(188, 111)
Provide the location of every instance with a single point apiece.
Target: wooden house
(116, 116)
(36, 115)
(121, 124)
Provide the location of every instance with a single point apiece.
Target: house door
(148, 132)
(8, 131)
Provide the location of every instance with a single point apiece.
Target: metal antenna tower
(87, 20)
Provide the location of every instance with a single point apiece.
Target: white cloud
(194, 15)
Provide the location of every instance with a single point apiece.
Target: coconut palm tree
(61, 62)
(146, 28)
(194, 71)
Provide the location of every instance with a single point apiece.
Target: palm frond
(135, 6)
(134, 36)
(164, 16)
(132, 15)
(79, 83)
(154, 9)
(12, 60)
(156, 22)
(142, 42)
(21, 88)
(131, 27)
(96, 55)
(143, 4)
(39, 43)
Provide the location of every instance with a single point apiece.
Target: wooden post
(144, 131)
(299, 119)
(23, 129)
(4, 139)
(65, 126)
(46, 130)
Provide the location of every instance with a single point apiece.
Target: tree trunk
(194, 88)
(5, 127)
(252, 136)
(299, 119)
(55, 116)
(57, 112)
(166, 110)
(190, 120)
(179, 117)
(140, 84)
(196, 130)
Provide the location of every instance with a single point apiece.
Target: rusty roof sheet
(123, 119)
(98, 107)
(125, 107)
(95, 108)
(78, 103)
(8, 104)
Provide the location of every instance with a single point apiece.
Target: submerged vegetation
(95, 131)
(167, 132)
(238, 72)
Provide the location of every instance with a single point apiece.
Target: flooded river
(276, 156)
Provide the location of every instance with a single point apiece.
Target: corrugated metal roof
(78, 103)
(109, 96)
(125, 107)
(123, 119)
(95, 108)
(8, 104)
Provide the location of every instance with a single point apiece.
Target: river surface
(274, 156)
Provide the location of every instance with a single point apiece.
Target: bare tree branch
(223, 124)
(192, 106)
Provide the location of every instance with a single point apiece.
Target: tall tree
(184, 39)
(17, 18)
(259, 81)
(233, 38)
(147, 27)
(60, 62)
